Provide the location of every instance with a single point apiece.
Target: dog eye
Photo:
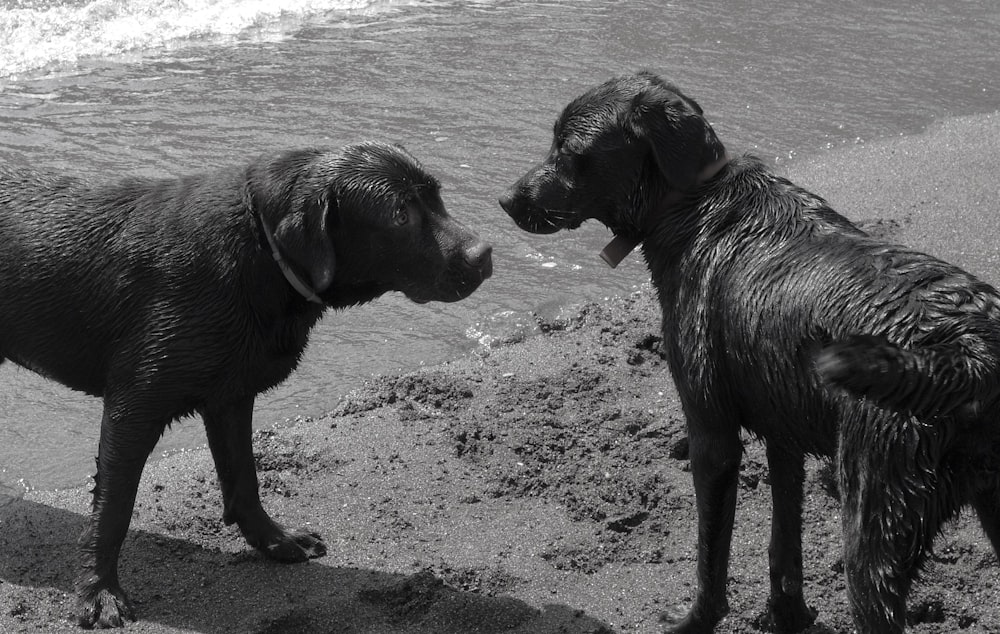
(401, 217)
(568, 156)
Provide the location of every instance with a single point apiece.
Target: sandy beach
(540, 486)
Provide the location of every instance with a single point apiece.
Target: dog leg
(715, 464)
(786, 608)
(122, 453)
(230, 439)
(877, 600)
(987, 505)
(883, 548)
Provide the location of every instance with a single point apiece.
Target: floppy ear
(303, 238)
(299, 208)
(681, 141)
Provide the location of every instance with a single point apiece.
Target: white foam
(45, 34)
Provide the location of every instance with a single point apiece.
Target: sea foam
(56, 34)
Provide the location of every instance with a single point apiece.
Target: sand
(538, 486)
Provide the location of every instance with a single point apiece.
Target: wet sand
(538, 487)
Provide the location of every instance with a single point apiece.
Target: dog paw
(787, 614)
(293, 546)
(679, 621)
(105, 608)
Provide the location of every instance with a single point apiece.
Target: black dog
(755, 276)
(193, 295)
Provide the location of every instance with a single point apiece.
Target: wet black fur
(931, 381)
(755, 276)
(162, 297)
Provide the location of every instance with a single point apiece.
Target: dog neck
(621, 246)
(304, 289)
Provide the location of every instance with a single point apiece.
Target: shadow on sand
(179, 585)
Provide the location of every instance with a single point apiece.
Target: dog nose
(480, 257)
(507, 201)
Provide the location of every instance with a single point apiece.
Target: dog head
(355, 224)
(617, 149)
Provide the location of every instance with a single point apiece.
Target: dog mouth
(447, 295)
(540, 224)
(455, 285)
(541, 220)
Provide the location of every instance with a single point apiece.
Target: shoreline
(536, 487)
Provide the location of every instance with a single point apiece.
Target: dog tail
(927, 382)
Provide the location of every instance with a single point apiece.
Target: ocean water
(104, 88)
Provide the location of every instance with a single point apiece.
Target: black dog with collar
(170, 297)
(755, 276)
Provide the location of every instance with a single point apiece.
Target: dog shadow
(185, 586)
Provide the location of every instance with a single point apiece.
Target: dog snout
(521, 208)
(479, 257)
(507, 201)
(524, 202)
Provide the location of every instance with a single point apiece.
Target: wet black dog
(755, 276)
(193, 295)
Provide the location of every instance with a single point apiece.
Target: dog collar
(620, 246)
(304, 289)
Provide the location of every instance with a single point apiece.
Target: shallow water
(157, 87)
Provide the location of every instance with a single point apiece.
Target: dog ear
(299, 208)
(680, 138)
(304, 238)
